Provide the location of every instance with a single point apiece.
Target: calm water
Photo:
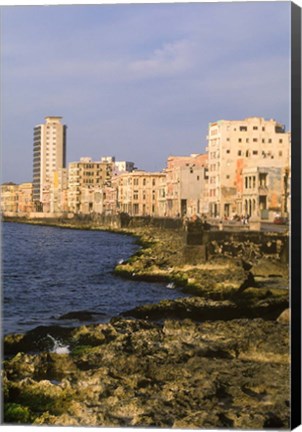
(48, 272)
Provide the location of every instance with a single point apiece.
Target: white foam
(58, 347)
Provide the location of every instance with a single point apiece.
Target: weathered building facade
(25, 198)
(238, 144)
(264, 196)
(186, 185)
(9, 197)
(141, 193)
(59, 191)
(84, 179)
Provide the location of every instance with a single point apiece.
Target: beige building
(85, 178)
(105, 200)
(186, 192)
(25, 198)
(16, 198)
(9, 198)
(59, 191)
(265, 192)
(141, 193)
(49, 156)
(237, 145)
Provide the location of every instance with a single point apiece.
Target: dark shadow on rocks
(35, 340)
(198, 309)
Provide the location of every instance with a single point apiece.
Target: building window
(270, 141)
(243, 128)
(262, 179)
(197, 178)
(263, 128)
(239, 152)
(255, 127)
(255, 152)
(239, 139)
(228, 151)
(280, 153)
(247, 140)
(263, 140)
(255, 140)
(280, 140)
(227, 177)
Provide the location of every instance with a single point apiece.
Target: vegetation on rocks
(173, 374)
(216, 359)
(161, 258)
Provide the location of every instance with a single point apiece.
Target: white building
(49, 156)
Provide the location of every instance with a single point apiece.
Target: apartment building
(186, 192)
(104, 200)
(265, 192)
(59, 191)
(9, 197)
(141, 193)
(85, 178)
(25, 198)
(49, 156)
(16, 198)
(123, 166)
(119, 167)
(238, 144)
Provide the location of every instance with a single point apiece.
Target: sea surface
(49, 272)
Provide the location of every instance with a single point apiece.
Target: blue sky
(140, 82)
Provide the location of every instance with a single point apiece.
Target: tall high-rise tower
(49, 155)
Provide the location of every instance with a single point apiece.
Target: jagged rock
(174, 374)
(201, 309)
(219, 359)
(37, 339)
(81, 315)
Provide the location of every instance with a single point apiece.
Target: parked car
(280, 220)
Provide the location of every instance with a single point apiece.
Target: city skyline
(139, 82)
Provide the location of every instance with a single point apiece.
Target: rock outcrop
(215, 374)
(216, 359)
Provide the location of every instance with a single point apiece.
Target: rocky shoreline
(218, 358)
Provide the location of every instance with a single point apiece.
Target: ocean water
(49, 272)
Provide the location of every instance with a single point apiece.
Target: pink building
(186, 185)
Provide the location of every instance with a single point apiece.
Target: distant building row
(246, 171)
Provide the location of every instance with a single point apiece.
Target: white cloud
(139, 76)
(171, 58)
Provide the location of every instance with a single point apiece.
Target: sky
(139, 81)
